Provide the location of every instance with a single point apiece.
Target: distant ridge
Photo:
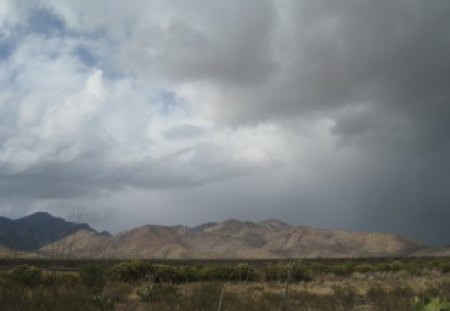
(235, 239)
(36, 230)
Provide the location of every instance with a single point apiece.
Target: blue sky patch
(45, 22)
(168, 102)
(7, 47)
(86, 56)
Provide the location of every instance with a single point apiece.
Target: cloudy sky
(326, 113)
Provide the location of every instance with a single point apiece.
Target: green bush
(131, 270)
(295, 272)
(431, 304)
(344, 269)
(94, 278)
(218, 273)
(61, 279)
(247, 273)
(190, 273)
(364, 268)
(26, 275)
(167, 274)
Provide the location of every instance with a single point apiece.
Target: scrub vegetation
(388, 284)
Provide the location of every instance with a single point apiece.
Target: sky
(324, 113)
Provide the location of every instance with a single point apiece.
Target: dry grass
(370, 291)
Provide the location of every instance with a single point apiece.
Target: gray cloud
(228, 42)
(320, 112)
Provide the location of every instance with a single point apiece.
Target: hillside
(234, 239)
(433, 252)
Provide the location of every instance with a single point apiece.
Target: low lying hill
(234, 239)
(5, 252)
(9, 253)
(433, 252)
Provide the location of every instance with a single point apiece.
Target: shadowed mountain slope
(35, 231)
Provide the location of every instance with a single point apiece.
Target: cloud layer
(319, 112)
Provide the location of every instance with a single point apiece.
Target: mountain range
(44, 235)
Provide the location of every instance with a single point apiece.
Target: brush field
(420, 284)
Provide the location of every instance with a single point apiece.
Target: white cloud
(66, 118)
(57, 111)
(8, 16)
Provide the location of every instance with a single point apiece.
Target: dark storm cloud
(380, 70)
(390, 54)
(230, 42)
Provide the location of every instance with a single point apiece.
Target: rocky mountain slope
(233, 239)
(35, 231)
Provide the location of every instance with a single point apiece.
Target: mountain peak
(36, 230)
(203, 227)
(231, 221)
(274, 224)
(39, 214)
(233, 225)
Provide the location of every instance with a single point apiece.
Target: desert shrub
(61, 279)
(103, 303)
(211, 272)
(163, 273)
(396, 299)
(300, 273)
(15, 297)
(118, 291)
(26, 275)
(267, 301)
(444, 290)
(394, 266)
(131, 270)
(305, 301)
(413, 267)
(94, 278)
(295, 272)
(190, 273)
(203, 296)
(245, 301)
(397, 266)
(276, 272)
(245, 272)
(431, 304)
(345, 296)
(336, 268)
(343, 269)
(317, 268)
(159, 293)
(444, 267)
(168, 274)
(218, 273)
(364, 268)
